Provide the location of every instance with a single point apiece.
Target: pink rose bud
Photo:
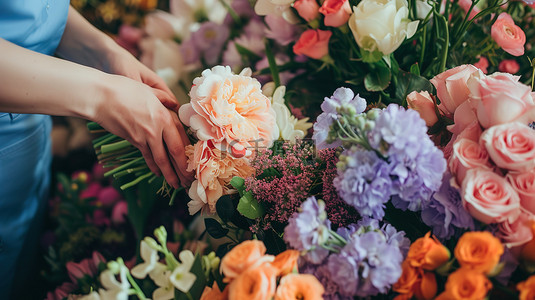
(517, 233)
(307, 9)
(451, 87)
(336, 12)
(465, 5)
(120, 210)
(508, 35)
(509, 66)
(108, 196)
(423, 103)
(482, 64)
(313, 43)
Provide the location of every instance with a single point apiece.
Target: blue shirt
(25, 149)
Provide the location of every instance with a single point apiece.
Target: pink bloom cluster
(287, 178)
(492, 151)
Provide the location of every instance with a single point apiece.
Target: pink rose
(511, 146)
(129, 37)
(482, 64)
(451, 87)
(500, 98)
(508, 35)
(516, 233)
(524, 184)
(509, 66)
(230, 110)
(467, 155)
(313, 43)
(336, 12)
(424, 104)
(108, 196)
(465, 115)
(119, 212)
(307, 9)
(465, 5)
(488, 197)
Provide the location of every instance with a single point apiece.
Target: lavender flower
(342, 97)
(308, 230)
(445, 211)
(209, 39)
(416, 164)
(365, 183)
(281, 31)
(366, 266)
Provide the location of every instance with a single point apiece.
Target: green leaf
(370, 57)
(408, 82)
(214, 228)
(244, 52)
(238, 183)
(225, 208)
(249, 207)
(415, 69)
(378, 79)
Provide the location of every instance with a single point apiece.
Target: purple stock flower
(366, 266)
(445, 211)
(341, 97)
(416, 164)
(308, 229)
(365, 183)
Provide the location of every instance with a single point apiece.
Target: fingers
(177, 154)
(150, 78)
(165, 99)
(162, 161)
(147, 155)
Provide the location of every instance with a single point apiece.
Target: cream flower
(150, 258)
(181, 277)
(114, 289)
(229, 109)
(381, 25)
(196, 10)
(290, 128)
(160, 275)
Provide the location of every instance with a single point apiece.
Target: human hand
(133, 111)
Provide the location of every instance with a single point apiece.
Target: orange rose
(466, 284)
(299, 286)
(254, 284)
(286, 261)
(428, 253)
(213, 293)
(480, 251)
(528, 251)
(241, 257)
(527, 289)
(415, 282)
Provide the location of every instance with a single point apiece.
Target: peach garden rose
(508, 35)
(230, 110)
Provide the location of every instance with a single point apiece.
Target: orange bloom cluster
(251, 274)
(417, 279)
(527, 289)
(478, 254)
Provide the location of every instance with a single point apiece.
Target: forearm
(84, 44)
(31, 82)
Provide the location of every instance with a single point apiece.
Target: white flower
(181, 277)
(286, 122)
(381, 25)
(281, 8)
(150, 258)
(160, 276)
(197, 10)
(164, 57)
(113, 289)
(423, 8)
